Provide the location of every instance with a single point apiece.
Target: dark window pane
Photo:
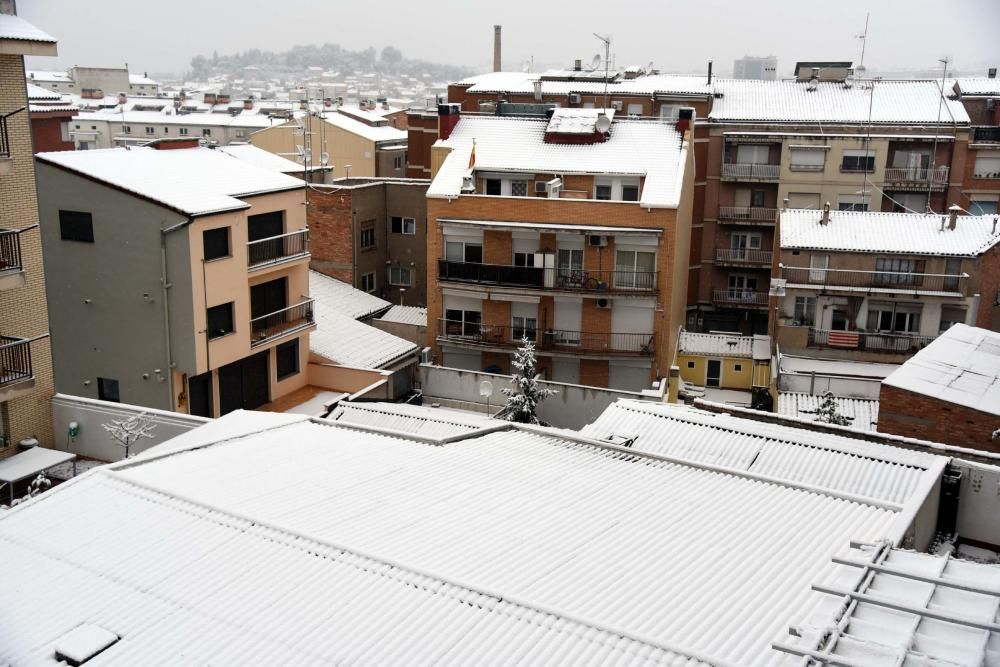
(287, 358)
(216, 243)
(474, 253)
(493, 186)
(220, 320)
(630, 193)
(603, 192)
(265, 225)
(397, 225)
(107, 390)
(76, 226)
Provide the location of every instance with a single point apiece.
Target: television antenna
(606, 39)
(863, 36)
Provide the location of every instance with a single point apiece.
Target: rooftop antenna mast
(606, 39)
(864, 42)
(930, 167)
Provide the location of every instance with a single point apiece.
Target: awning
(554, 227)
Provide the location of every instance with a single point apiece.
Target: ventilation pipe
(496, 49)
(538, 90)
(953, 215)
(825, 220)
(710, 72)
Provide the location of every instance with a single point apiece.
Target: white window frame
(634, 110)
(987, 165)
(520, 326)
(399, 272)
(818, 266)
(805, 311)
(616, 183)
(976, 204)
(405, 223)
(374, 238)
(465, 245)
(807, 159)
(369, 278)
(628, 276)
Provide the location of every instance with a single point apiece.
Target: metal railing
(751, 214)
(917, 176)
(282, 321)
(15, 360)
(10, 250)
(577, 280)
(890, 342)
(987, 135)
(752, 172)
(4, 136)
(891, 280)
(739, 297)
(742, 256)
(277, 248)
(552, 340)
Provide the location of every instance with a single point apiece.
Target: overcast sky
(677, 36)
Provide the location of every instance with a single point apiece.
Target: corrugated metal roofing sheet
(418, 420)
(862, 411)
(406, 315)
(344, 298)
(15, 27)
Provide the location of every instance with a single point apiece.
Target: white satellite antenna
(486, 390)
(596, 61)
(603, 123)
(324, 158)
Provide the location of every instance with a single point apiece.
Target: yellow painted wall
(343, 147)
(731, 378)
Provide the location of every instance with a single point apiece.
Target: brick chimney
(173, 143)
(209, 98)
(497, 63)
(448, 117)
(248, 104)
(953, 216)
(685, 119)
(825, 220)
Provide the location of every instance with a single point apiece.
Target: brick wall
(330, 233)
(989, 289)
(905, 413)
(46, 132)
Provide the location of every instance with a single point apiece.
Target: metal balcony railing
(739, 297)
(889, 342)
(552, 340)
(747, 214)
(10, 250)
(577, 280)
(277, 248)
(4, 136)
(280, 322)
(15, 360)
(986, 135)
(884, 280)
(750, 172)
(743, 256)
(916, 176)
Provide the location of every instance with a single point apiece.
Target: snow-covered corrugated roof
(862, 412)
(343, 298)
(875, 231)
(15, 27)
(261, 158)
(717, 345)
(39, 93)
(523, 83)
(576, 121)
(193, 181)
(377, 134)
(50, 76)
(167, 116)
(140, 79)
(889, 102)
(406, 315)
(345, 341)
(961, 366)
(788, 363)
(635, 147)
(795, 456)
(979, 86)
(415, 419)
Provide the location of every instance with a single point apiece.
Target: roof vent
(953, 215)
(82, 643)
(825, 220)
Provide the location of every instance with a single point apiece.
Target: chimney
(825, 220)
(248, 104)
(223, 98)
(173, 143)
(538, 90)
(122, 98)
(577, 65)
(710, 72)
(991, 73)
(497, 67)
(448, 117)
(209, 98)
(815, 73)
(685, 119)
(953, 215)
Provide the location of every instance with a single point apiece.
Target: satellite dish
(324, 158)
(486, 388)
(603, 124)
(649, 67)
(596, 62)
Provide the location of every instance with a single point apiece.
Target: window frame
(205, 244)
(404, 223)
(399, 271)
(365, 277)
(230, 309)
(109, 389)
(368, 239)
(84, 232)
(281, 349)
(866, 154)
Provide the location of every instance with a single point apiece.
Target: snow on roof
(414, 419)
(194, 181)
(261, 158)
(523, 83)
(377, 134)
(167, 116)
(530, 517)
(961, 366)
(576, 121)
(718, 345)
(343, 298)
(363, 115)
(863, 412)
(49, 76)
(39, 93)
(141, 80)
(979, 86)
(895, 607)
(635, 147)
(347, 342)
(889, 102)
(14, 27)
(788, 363)
(406, 315)
(795, 456)
(875, 231)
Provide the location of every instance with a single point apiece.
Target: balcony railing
(986, 135)
(575, 280)
(890, 281)
(552, 340)
(748, 214)
(740, 297)
(750, 172)
(913, 176)
(890, 342)
(743, 256)
(4, 136)
(277, 248)
(280, 322)
(10, 250)
(15, 360)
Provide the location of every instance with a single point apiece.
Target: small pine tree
(526, 393)
(827, 412)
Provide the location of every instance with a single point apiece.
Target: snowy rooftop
(141, 80)
(977, 86)
(346, 341)
(835, 463)
(788, 363)
(576, 121)
(873, 231)
(406, 315)
(50, 76)
(523, 83)
(961, 366)
(261, 158)
(635, 147)
(344, 298)
(193, 181)
(377, 134)
(42, 94)
(413, 419)
(889, 102)
(308, 542)
(723, 345)
(251, 120)
(16, 28)
(862, 412)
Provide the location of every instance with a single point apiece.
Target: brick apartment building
(50, 116)
(25, 355)
(981, 180)
(571, 230)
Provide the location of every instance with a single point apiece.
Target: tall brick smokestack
(496, 49)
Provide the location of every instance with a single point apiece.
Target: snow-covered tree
(525, 392)
(126, 432)
(39, 484)
(827, 412)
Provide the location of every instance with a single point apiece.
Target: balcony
(6, 160)
(281, 322)
(743, 257)
(902, 178)
(740, 298)
(885, 282)
(553, 340)
(11, 268)
(15, 361)
(986, 135)
(882, 342)
(747, 215)
(277, 249)
(736, 171)
(570, 280)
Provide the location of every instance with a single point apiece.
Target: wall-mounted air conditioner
(541, 188)
(597, 241)
(574, 98)
(617, 105)
(604, 303)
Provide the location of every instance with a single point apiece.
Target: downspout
(165, 286)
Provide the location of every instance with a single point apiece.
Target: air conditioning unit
(597, 241)
(604, 303)
(541, 188)
(554, 187)
(487, 107)
(777, 287)
(574, 98)
(617, 105)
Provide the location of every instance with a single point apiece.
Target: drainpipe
(165, 286)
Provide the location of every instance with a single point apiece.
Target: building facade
(756, 67)
(981, 182)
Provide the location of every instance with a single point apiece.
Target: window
(206, 132)
(182, 131)
(635, 110)
(524, 259)
(397, 163)
(807, 159)
(737, 368)
(852, 202)
(752, 153)
(987, 164)
(368, 238)
(286, 359)
(805, 311)
(858, 160)
(404, 225)
(818, 264)
(669, 112)
(523, 327)
(898, 271)
(460, 251)
(630, 193)
(76, 226)
(894, 317)
(803, 200)
(368, 282)
(983, 205)
(462, 322)
(519, 188)
(951, 315)
(241, 133)
(215, 243)
(126, 129)
(149, 130)
(107, 390)
(690, 364)
(220, 320)
(952, 274)
(569, 261)
(602, 192)
(635, 269)
(742, 243)
(493, 186)
(399, 275)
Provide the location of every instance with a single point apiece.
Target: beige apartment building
(25, 359)
(179, 277)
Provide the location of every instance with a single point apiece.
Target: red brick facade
(330, 234)
(47, 133)
(913, 415)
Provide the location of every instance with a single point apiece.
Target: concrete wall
(94, 442)
(979, 501)
(839, 385)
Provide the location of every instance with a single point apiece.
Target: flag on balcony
(472, 156)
